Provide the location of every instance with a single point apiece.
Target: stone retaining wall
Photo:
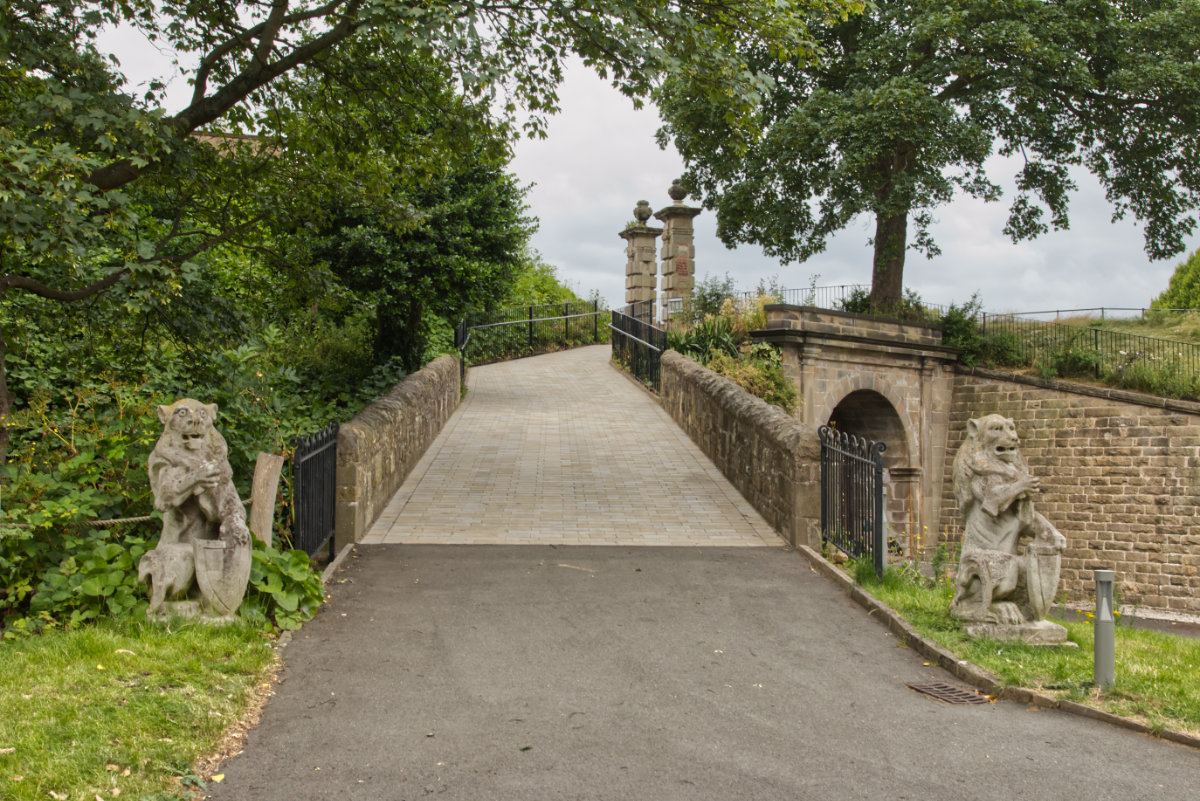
(381, 445)
(1120, 479)
(774, 461)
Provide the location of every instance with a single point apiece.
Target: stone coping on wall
(1106, 393)
(772, 459)
(379, 447)
(831, 322)
(780, 336)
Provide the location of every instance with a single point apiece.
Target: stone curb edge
(967, 671)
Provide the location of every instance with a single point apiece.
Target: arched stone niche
(879, 378)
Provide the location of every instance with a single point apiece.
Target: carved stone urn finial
(677, 192)
(642, 212)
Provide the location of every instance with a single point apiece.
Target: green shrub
(910, 307)
(1163, 377)
(960, 329)
(1003, 349)
(711, 335)
(708, 295)
(1075, 361)
(285, 590)
(98, 579)
(759, 372)
(1183, 292)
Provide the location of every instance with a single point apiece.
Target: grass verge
(122, 709)
(1156, 674)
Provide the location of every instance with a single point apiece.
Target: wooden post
(262, 495)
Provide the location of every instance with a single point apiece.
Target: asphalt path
(623, 673)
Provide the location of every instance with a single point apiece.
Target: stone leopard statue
(1008, 572)
(204, 534)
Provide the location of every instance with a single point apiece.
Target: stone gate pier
(886, 380)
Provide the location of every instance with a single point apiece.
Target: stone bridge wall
(774, 461)
(381, 445)
(1120, 479)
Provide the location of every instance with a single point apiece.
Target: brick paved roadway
(562, 449)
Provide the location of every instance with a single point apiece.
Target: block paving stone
(563, 449)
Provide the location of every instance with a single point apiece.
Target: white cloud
(601, 158)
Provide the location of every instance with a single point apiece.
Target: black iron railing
(852, 495)
(522, 330)
(1096, 350)
(638, 345)
(314, 489)
(820, 297)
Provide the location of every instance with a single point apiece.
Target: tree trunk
(6, 403)
(887, 277)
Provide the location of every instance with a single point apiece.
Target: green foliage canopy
(104, 186)
(1184, 290)
(907, 101)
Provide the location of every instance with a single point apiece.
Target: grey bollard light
(1105, 672)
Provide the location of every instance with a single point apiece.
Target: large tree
(907, 102)
(102, 187)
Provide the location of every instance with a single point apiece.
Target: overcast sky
(601, 158)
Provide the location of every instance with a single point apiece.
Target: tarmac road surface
(645, 674)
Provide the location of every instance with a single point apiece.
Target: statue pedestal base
(188, 610)
(1042, 632)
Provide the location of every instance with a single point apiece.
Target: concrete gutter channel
(970, 673)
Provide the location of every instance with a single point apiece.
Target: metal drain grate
(949, 693)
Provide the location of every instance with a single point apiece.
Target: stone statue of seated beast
(204, 535)
(1011, 555)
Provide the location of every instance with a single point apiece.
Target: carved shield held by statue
(222, 572)
(1043, 564)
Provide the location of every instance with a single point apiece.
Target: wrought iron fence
(852, 515)
(522, 330)
(314, 489)
(1078, 349)
(638, 345)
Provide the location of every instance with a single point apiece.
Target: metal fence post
(531, 328)
(1104, 672)
(595, 321)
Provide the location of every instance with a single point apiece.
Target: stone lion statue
(1011, 555)
(204, 533)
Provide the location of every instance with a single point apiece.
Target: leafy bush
(284, 588)
(1002, 350)
(1183, 292)
(759, 372)
(98, 579)
(960, 329)
(711, 335)
(910, 306)
(708, 295)
(1073, 361)
(1163, 377)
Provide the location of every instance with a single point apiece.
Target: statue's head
(190, 421)
(996, 435)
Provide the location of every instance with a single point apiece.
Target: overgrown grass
(121, 709)
(1156, 672)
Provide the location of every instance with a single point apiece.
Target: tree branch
(253, 76)
(11, 281)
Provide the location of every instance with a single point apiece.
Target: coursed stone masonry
(678, 251)
(1120, 478)
(380, 446)
(888, 380)
(773, 460)
(640, 246)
